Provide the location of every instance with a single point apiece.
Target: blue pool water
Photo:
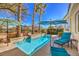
(31, 47)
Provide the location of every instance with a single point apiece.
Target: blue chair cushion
(58, 42)
(66, 35)
(58, 52)
(57, 49)
(64, 39)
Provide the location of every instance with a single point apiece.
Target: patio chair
(65, 38)
(28, 39)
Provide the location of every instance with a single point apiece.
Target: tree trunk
(33, 16)
(39, 19)
(19, 19)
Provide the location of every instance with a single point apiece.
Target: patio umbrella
(54, 22)
(7, 23)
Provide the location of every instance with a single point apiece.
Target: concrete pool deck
(17, 52)
(11, 45)
(11, 50)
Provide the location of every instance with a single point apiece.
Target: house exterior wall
(73, 27)
(72, 17)
(73, 13)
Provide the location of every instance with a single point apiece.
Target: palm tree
(40, 9)
(33, 16)
(19, 19)
(21, 13)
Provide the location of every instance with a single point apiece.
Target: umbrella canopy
(7, 23)
(55, 22)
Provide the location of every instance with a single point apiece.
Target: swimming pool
(34, 45)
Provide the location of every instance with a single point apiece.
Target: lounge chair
(28, 39)
(65, 38)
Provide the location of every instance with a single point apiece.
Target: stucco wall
(72, 16)
(73, 12)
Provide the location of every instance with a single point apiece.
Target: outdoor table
(54, 37)
(76, 43)
(75, 39)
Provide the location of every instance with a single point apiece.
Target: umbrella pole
(50, 36)
(50, 33)
(7, 34)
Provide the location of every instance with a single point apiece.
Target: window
(77, 22)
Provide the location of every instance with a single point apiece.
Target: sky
(54, 11)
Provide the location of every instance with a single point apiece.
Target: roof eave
(69, 10)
